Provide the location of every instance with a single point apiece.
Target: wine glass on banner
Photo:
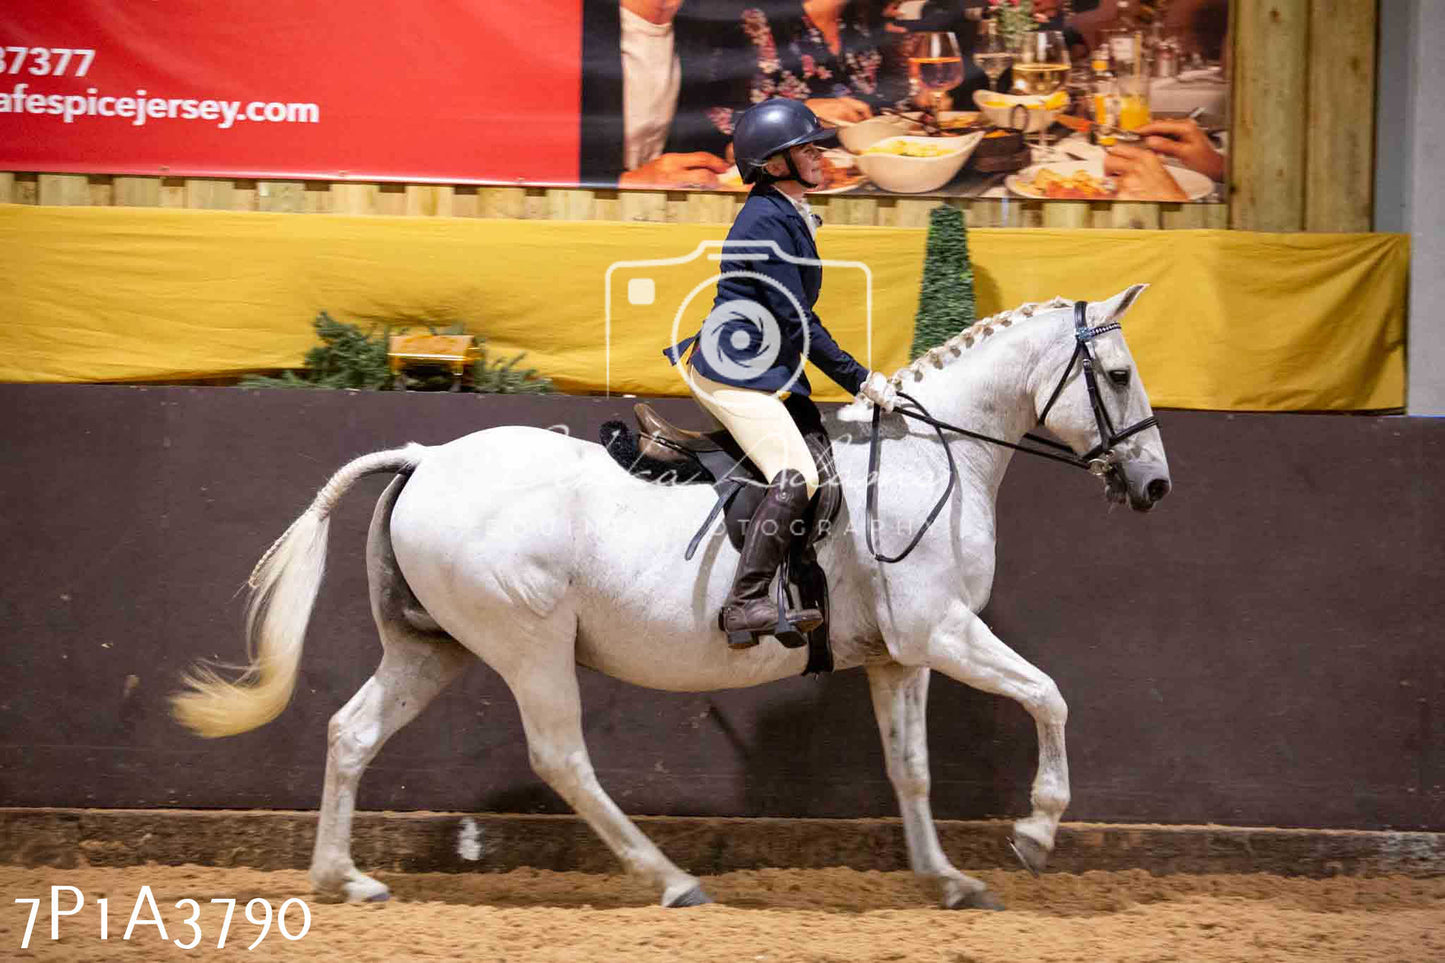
(1041, 68)
(992, 54)
(939, 64)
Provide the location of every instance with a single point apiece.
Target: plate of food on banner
(840, 174)
(1086, 181)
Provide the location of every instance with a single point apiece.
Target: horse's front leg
(962, 647)
(900, 701)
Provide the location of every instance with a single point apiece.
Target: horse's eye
(1120, 376)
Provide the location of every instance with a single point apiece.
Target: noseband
(1098, 460)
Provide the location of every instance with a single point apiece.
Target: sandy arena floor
(765, 915)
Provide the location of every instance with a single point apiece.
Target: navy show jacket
(769, 216)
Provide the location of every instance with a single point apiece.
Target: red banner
(446, 90)
(1087, 105)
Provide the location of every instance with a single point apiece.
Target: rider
(745, 361)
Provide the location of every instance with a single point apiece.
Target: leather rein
(1097, 460)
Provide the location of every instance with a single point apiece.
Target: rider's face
(809, 160)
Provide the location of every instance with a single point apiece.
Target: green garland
(347, 357)
(945, 299)
(352, 357)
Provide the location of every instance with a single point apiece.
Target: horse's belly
(659, 629)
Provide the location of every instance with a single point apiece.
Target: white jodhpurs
(762, 426)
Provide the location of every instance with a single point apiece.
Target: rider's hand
(1186, 142)
(697, 169)
(879, 390)
(849, 110)
(1141, 175)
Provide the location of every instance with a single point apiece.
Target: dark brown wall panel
(1263, 649)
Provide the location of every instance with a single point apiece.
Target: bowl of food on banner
(1037, 113)
(911, 164)
(840, 173)
(858, 137)
(1086, 181)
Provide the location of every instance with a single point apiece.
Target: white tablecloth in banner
(1191, 89)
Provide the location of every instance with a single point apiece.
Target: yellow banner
(1233, 321)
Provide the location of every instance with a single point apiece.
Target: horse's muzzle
(1142, 486)
(1145, 497)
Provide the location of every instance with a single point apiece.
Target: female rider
(750, 351)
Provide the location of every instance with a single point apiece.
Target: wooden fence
(446, 200)
(1304, 115)
(1302, 158)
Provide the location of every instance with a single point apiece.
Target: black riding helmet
(771, 128)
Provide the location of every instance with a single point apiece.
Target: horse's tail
(283, 586)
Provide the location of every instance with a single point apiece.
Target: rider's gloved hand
(879, 390)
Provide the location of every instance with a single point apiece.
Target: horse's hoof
(982, 899)
(366, 890)
(1031, 854)
(693, 897)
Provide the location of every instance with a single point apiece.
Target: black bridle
(1098, 460)
(1108, 437)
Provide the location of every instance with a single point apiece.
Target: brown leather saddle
(664, 453)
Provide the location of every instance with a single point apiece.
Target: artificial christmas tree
(945, 299)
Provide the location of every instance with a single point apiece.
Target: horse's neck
(987, 389)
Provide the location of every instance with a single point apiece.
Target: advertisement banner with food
(1064, 99)
(1093, 100)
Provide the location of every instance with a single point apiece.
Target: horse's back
(521, 513)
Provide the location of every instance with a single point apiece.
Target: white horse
(537, 553)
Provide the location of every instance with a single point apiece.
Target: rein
(1097, 460)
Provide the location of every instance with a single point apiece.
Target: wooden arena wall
(1302, 156)
(1261, 650)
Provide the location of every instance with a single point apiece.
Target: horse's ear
(1113, 309)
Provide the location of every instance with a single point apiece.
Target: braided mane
(938, 356)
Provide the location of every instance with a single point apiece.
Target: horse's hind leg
(416, 665)
(900, 701)
(542, 674)
(413, 671)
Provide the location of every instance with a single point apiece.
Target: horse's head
(1089, 393)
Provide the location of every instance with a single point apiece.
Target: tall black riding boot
(750, 609)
